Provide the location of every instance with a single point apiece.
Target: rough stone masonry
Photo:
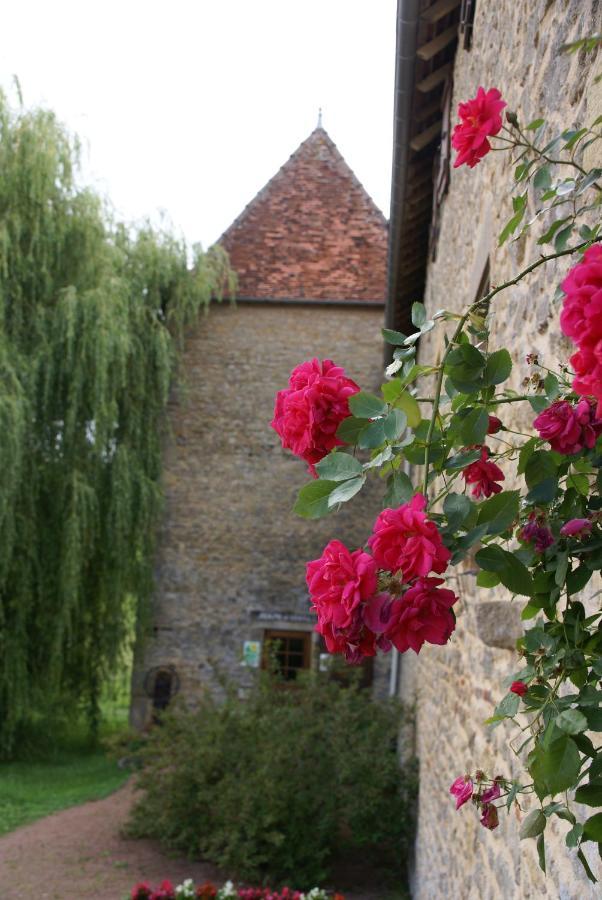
(516, 48)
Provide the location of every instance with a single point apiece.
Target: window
(291, 651)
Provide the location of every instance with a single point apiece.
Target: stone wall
(231, 552)
(516, 48)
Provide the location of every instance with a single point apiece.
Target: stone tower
(310, 254)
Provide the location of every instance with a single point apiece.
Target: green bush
(276, 786)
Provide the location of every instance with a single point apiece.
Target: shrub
(276, 785)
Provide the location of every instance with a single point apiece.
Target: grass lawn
(71, 772)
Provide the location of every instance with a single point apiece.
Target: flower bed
(208, 891)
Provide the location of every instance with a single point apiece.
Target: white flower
(185, 891)
(227, 892)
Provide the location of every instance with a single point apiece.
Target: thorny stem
(473, 306)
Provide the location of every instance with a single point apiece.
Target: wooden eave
(428, 32)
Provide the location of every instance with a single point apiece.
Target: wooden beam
(434, 79)
(430, 49)
(438, 10)
(425, 137)
(417, 198)
(417, 262)
(429, 109)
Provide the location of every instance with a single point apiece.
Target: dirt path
(79, 854)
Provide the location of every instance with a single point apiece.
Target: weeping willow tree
(89, 318)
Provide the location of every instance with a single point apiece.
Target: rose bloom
(568, 429)
(461, 789)
(479, 119)
(494, 425)
(422, 615)
(490, 818)
(581, 320)
(483, 475)
(519, 687)
(536, 533)
(576, 528)
(405, 539)
(308, 412)
(357, 640)
(338, 581)
(491, 793)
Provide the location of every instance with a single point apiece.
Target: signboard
(251, 654)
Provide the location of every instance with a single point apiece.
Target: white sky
(190, 106)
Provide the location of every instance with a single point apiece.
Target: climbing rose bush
(525, 504)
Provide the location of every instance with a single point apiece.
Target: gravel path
(79, 854)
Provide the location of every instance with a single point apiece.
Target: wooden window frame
(273, 635)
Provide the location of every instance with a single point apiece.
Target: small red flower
(519, 687)
(483, 475)
(494, 425)
(479, 119)
(141, 891)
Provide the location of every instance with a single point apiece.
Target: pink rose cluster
(354, 617)
(581, 320)
(308, 412)
(463, 790)
(569, 428)
(480, 118)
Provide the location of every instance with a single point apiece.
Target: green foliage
(89, 314)
(274, 786)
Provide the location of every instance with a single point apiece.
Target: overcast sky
(190, 106)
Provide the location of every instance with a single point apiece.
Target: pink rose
(483, 475)
(494, 425)
(338, 582)
(581, 320)
(422, 615)
(576, 528)
(462, 790)
(308, 412)
(479, 119)
(490, 818)
(491, 793)
(534, 532)
(405, 539)
(519, 687)
(356, 640)
(569, 428)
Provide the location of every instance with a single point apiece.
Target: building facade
(310, 255)
(444, 250)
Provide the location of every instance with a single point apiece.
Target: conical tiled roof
(311, 233)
